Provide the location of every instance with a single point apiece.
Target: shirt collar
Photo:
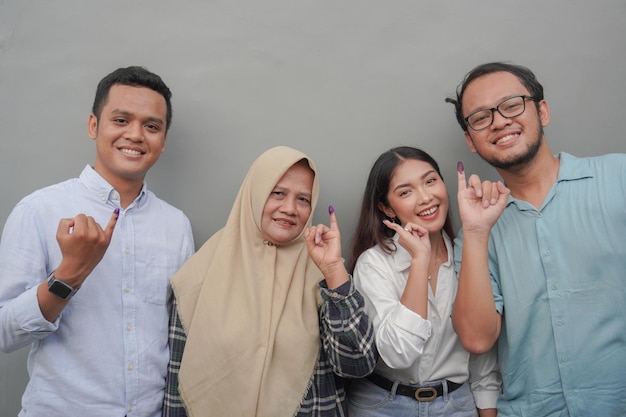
(571, 168)
(95, 183)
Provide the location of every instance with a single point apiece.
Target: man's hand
(83, 244)
(480, 203)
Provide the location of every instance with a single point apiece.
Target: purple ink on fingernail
(331, 209)
(459, 167)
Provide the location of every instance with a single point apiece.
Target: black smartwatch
(60, 288)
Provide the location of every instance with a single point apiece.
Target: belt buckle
(430, 391)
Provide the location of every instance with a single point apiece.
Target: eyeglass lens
(511, 107)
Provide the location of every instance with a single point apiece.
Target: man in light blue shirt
(542, 266)
(93, 302)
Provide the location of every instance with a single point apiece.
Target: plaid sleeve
(346, 331)
(172, 403)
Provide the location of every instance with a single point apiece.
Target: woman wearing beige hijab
(267, 319)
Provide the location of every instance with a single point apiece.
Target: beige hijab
(249, 309)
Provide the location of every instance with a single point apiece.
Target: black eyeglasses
(510, 107)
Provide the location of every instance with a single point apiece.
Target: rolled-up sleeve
(346, 331)
(23, 269)
(485, 379)
(22, 322)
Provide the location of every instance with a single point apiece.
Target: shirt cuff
(341, 292)
(28, 316)
(405, 319)
(486, 399)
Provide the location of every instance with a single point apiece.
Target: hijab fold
(249, 309)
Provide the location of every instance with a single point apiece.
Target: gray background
(340, 80)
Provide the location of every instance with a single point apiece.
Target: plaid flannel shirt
(347, 350)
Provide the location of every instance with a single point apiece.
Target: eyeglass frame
(525, 97)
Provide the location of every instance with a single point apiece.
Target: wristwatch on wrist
(59, 288)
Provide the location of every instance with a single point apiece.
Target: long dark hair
(370, 230)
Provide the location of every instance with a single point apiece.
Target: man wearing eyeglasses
(543, 269)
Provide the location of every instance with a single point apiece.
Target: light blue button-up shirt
(559, 279)
(107, 353)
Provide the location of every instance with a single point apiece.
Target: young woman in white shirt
(402, 262)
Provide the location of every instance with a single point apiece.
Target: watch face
(60, 290)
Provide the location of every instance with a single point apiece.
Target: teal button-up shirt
(559, 280)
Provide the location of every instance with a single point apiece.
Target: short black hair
(525, 75)
(135, 76)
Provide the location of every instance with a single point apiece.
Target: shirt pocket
(154, 284)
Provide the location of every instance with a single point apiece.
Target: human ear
(470, 142)
(164, 142)
(388, 211)
(544, 113)
(92, 126)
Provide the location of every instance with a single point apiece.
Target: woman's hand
(414, 238)
(324, 246)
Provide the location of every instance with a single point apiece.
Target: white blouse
(414, 349)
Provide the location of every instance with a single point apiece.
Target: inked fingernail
(331, 209)
(459, 167)
(117, 212)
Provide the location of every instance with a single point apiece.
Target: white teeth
(505, 138)
(130, 151)
(428, 212)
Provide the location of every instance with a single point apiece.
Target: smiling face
(288, 206)
(417, 194)
(130, 134)
(508, 142)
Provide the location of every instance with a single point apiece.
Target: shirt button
(126, 251)
(559, 323)
(547, 252)
(115, 196)
(127, 289)
(540, 215)
(565, 358)
(131, 366)
(129, 327)
(554, 286)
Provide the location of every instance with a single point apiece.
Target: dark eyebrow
(121, 112)
(502, 100)
(426, 174)
(125, 113)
